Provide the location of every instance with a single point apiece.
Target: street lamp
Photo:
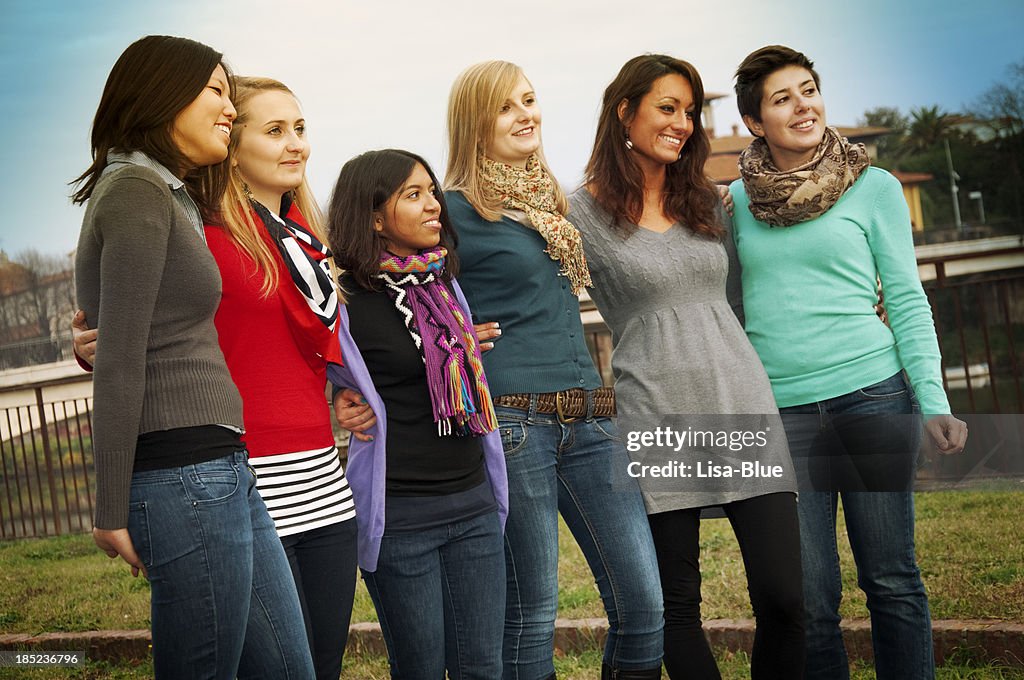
(953, 189)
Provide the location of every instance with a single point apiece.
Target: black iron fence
(979, 319)
(45, 461)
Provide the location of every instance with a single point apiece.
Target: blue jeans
(576, 469)
(880, 526)
(223, 601)
(439, 599)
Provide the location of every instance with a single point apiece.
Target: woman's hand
(948, 432)
(354, 414)
(117, 542)
(880, 307)
(486, 333)
(84, 339)
(727, 201)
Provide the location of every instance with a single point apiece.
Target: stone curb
(969, 640)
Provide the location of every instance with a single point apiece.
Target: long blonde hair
(473, 106)
(236, 214)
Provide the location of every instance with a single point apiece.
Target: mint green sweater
(809, 296)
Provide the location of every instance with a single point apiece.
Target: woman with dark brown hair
(666, 283)
(429, 480)
(175, 495)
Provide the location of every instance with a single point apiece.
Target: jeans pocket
(606, 426)
(514, 434)
(894, 387)
(207, 486)
(138, 531)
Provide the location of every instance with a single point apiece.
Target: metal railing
(36, 351)
(46, 439)
(979, 320)
(45, 462)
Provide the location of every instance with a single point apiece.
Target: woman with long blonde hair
(522, 269)
(279, 287)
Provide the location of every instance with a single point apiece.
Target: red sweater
(283, 398)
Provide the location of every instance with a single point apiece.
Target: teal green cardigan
(507, 277)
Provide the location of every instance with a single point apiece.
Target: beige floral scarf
(783, 199)
(532, 191)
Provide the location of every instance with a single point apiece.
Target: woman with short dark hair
(175, 496)
(816, 229)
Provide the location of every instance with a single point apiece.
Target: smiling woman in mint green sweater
(816, 228)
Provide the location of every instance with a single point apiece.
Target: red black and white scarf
(307, 260)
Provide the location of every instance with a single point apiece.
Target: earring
(245, 185)
(629, 142)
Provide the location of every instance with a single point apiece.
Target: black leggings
(323, 563)
(769, 537)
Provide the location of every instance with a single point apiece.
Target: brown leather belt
(568, 405)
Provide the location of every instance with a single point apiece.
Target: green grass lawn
(584, 666)
(970, 547)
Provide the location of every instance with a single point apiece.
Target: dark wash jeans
(439, 597)
(223, 600)
(878, 423)
(575, 469)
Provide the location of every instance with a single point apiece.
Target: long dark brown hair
(365, 184)
(153, 80)
(617, 180)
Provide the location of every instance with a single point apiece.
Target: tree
(889, 146)
(36, 301)
(929, 125)
(1001, 107)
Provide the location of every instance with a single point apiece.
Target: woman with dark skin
(429, 477)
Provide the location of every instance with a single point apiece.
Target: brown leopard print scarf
(783, 199)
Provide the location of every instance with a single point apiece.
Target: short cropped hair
(756, 68)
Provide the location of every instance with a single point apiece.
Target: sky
(376, 73)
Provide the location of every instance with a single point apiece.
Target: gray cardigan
(145, 276)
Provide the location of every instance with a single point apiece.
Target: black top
(183, 446)
(419, 461)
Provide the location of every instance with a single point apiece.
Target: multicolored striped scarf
(445, 339)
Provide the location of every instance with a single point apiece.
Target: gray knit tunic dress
(696, 410)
